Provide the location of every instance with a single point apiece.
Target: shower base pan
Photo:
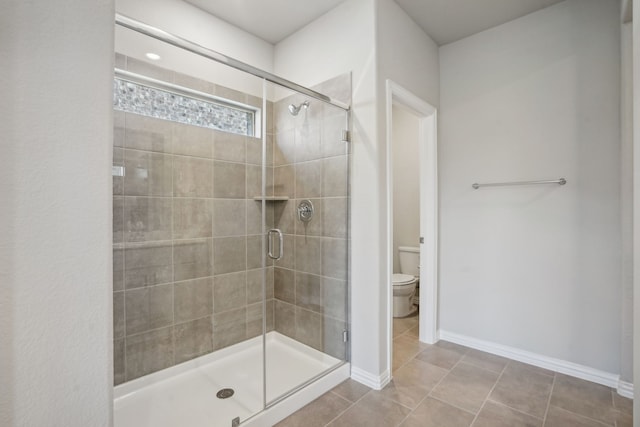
(185, 395)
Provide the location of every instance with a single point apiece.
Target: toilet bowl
(404, 287)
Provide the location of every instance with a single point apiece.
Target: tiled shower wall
(187, 236)
(311, 162)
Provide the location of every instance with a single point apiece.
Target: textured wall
(55, 221)
(537, 267)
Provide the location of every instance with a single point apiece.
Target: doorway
(400, 99)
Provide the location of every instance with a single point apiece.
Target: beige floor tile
(433, 413)
(622, 404)
(403, 324)
(404, 349)
(496, 415)
(523, 389)
(351, 390)
(439, 356)
(452, 346)
(584, 398)
(524, 367)
(373, 410)
(624, 420)
(484, 360)
(557, 417)
(413, 382)
(318, 413)
(466, 387)
(413, 332)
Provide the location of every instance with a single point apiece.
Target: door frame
(428, 159)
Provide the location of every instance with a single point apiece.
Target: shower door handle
(281, 247)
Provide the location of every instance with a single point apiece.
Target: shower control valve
(305, 210)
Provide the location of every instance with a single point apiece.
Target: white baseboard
(625, 389)
(376, 382)
(557, 365)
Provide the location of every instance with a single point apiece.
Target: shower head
(294, 110)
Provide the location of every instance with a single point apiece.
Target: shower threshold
(185, 395)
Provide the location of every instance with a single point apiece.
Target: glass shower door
(308, 181)
(189, 214)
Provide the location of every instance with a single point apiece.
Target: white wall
(406, 182)
(636, 211)
(626, 205)
(189, 22)
(348, 38)
(341, 41)
(536, 268)
(55, 222)
(410, 58)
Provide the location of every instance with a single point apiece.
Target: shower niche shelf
(271, 198)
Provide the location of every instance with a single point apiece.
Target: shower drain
(225, 393)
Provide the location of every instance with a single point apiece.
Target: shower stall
(230, 228)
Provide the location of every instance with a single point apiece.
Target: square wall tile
(118, 315)
(193, 339)
(334, 258)
(285, 318)
(229, 180)
(147, 174)
(147, 219)
(334, 297)
(308, 179)
(284, 285)
(334, 217)
(229, 254)
(309, 328)
(192, 177)
(149, 352)
(308, 252)
(229, 217)
(193, 299)
(284, 181)
(148, 264)
(118, 219)
(288, 253)
(118, 269)
(229, 146)
(254, 284)
(309, 292)
(189, 140)
(229, 291)
(192, 259)
(148, 308)
(118, 362)
(308, 139)
(229, 327)
(334, 177)
(192, 218)
(147, 133)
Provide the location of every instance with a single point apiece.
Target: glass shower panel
(309, 181)
(189, 216)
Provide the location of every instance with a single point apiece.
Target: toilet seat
(399, 279)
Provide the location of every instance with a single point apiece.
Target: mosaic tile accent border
(148, 101)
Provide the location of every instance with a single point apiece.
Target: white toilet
(404, 283)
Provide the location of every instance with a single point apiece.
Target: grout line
(349, 407)
(486, 399)
(546, 412)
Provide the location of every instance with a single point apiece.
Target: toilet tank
(409, 258)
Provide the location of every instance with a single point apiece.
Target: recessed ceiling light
(152, 56)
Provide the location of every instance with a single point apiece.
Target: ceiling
(449, 20)
(271, 20)
(444, 20)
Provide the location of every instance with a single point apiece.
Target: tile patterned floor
(447, 385)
